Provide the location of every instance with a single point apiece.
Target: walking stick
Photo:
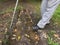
(8, 34)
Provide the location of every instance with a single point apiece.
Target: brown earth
(23, 32)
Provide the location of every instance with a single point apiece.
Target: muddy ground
(23, 33)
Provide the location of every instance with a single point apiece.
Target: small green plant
(56, 15)
(50, 38)
(51, 42)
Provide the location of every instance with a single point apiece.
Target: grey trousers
(47, 10)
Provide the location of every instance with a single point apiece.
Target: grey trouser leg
(47, 15)
(43, 7)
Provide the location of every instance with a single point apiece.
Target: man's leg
(43, 6)
(51, 7)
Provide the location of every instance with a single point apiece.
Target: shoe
(36, 28)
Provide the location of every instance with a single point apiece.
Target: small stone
(13, 38)
(15, 30)
(59, 38)
(0, 41)
(27, 35)
(37, 37)
(6, 30)
(19, 37)
(14, 35)
(36, 42)
(56, 35)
